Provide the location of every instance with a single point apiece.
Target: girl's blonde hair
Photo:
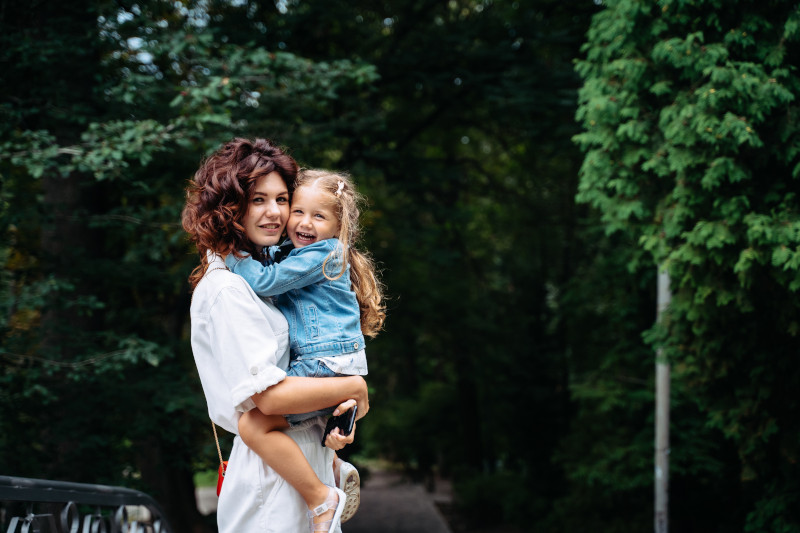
(346, 202)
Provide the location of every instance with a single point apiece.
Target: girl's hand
(336, 441)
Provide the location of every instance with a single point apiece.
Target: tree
(456, 121)
(466, 158)
(106, 113)
(690, 140)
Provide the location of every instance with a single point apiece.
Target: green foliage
(510, 307)
(466, 159)
(489, 499)
(606, 454)
(408, 432)
(93, 162)
(690, 143)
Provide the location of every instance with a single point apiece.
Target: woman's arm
(301, 395)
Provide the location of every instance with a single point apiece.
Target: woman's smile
(267, 210)
(271, 226)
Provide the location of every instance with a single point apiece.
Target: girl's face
(267, 211)
(312, 216)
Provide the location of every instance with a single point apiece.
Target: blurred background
(528, 165)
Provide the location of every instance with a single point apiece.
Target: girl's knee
(254, 423)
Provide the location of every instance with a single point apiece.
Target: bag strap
(219, 452)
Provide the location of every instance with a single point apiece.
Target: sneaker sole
(352, 489)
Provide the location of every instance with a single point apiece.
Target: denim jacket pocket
(312, 321)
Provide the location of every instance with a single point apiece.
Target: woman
(239, 200)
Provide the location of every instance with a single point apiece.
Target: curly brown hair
(218, 195)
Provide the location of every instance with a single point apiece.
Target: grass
(205, 478)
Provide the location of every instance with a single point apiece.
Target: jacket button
(355, 345)
(254, 370)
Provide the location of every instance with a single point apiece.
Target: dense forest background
(529, 165)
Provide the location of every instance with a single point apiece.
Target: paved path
(388, 504)
(391, 505)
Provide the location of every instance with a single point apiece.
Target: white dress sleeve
(246, 346)
(240, 345)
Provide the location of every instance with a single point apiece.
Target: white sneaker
(349, 481)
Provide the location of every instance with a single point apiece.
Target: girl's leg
(261, 433)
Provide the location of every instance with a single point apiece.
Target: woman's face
(267, 211)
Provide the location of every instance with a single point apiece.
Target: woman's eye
(282, 200)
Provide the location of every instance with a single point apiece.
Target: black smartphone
(344, 422)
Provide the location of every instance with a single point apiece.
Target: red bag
(223, 466)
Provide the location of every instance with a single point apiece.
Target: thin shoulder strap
(219, 452)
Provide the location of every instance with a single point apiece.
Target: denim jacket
(324, 316)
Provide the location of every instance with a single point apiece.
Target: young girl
(331, 297)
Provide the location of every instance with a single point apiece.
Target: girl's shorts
(309, 368)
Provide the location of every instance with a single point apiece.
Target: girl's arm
(301, 395)
(301, 269)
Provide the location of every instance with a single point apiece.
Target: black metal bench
(44, 506)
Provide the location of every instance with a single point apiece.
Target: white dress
(241, 347)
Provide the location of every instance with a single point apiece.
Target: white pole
(662, 417)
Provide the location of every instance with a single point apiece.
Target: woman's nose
(272, 209)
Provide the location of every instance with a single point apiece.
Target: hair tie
(339, 190)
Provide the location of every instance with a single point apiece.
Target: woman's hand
(345, 406)
(336, 441)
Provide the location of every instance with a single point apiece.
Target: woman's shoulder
(221, 283)
(226, 299)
